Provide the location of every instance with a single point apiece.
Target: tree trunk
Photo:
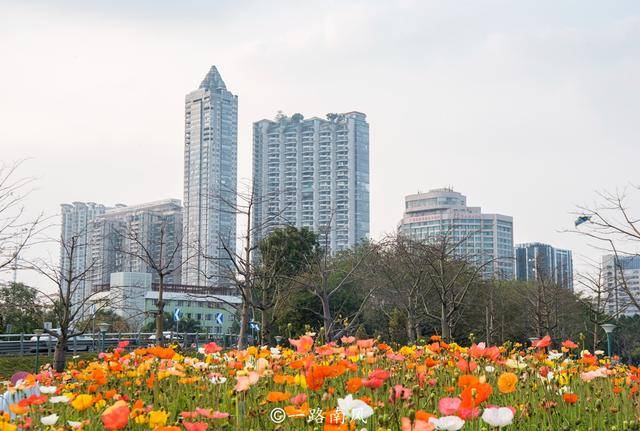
(411, 336)
(244, 320)
(444, 323)
(326, 317)
(160, 315)
(418, 331)
(60, 355)
(265, 328)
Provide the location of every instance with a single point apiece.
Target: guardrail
(27, 344)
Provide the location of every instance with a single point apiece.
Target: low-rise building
(134, 297)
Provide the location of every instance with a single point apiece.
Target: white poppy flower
(59, 399)
(554, 356)
(49, 420)
(447, 423)
(48, 389)
(354, 409)
(498, 416)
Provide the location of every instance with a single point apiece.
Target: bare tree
(71, 303)
(330, 274)
(451, 273)
(616, 230)
(17, 230)
(597, 299)
(240, 265)
(158, 252)
(542, 300)
(399, 265)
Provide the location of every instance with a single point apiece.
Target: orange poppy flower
(116, 417)
(543, 342)
(274, 397)
(507, 383)
(467, 380)
(17, 409)
(293, 411)
(424, 416)
(570, 398)
(151, 380)
(354, 384)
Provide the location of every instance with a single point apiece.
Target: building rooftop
(213, 80)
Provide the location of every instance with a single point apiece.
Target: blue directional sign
(177, 315)
(219, 318)
(254, 326)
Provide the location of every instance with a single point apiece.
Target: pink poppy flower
(449, 406)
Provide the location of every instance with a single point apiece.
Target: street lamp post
(608, 328)
(38, 333)
(278, 339)
(104, 327)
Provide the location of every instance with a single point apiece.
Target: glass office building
(535, 260)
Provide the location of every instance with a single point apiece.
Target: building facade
(75, 245)
(313, 173)
(133, 296)
(210, 180)
(621, 277)
(443, 214)
(535, 260)
(121, 234)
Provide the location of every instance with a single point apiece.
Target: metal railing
(34, 344)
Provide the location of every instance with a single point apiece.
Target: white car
(167, 335)
(80, 342)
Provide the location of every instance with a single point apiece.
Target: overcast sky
(526, 107)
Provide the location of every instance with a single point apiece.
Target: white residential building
(313, 173)
(152, 229)
(75, 236)
(621, 277)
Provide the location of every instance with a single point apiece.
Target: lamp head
(608, 327)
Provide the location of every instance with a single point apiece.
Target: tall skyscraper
(537, 259)
(210, 180)
(621, 277)
(76, 229)
(443, 214)
(313, 173)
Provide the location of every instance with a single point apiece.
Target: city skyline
(553, 122)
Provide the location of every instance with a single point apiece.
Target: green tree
(186, 324)
(284, 255)
(20, 309)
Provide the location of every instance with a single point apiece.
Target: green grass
(10, 365)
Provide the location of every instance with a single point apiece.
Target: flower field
(349, 385)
